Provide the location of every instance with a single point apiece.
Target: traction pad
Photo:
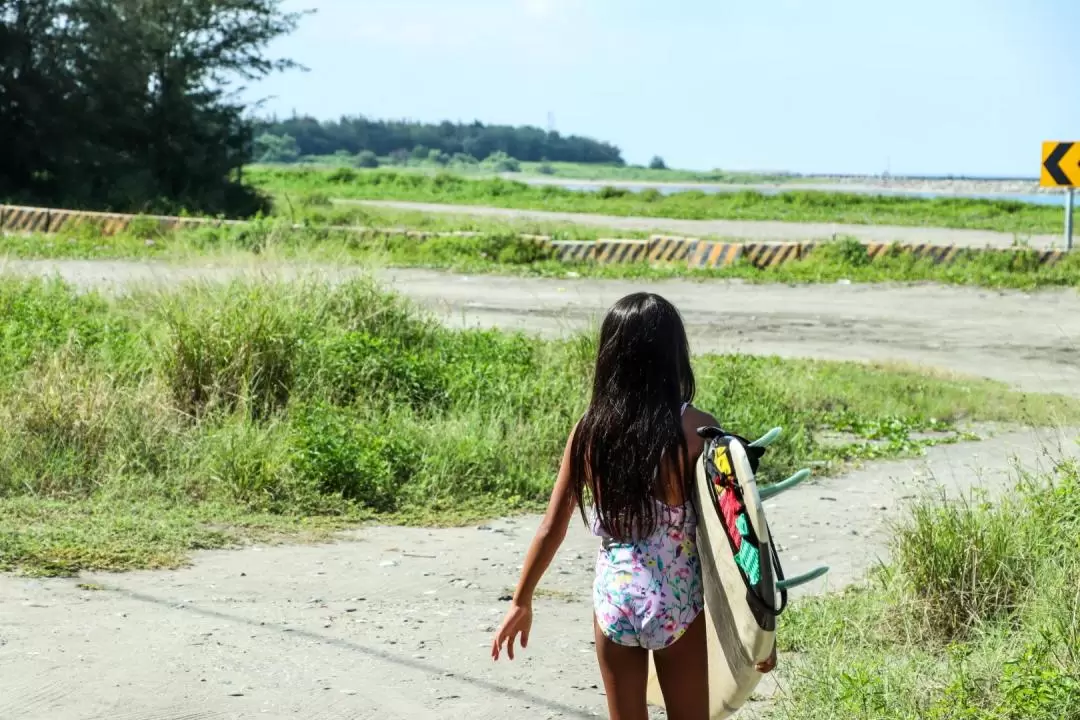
(727, 500)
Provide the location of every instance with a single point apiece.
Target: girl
(628, 466)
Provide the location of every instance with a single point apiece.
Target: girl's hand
(518, 620)
(768, 665)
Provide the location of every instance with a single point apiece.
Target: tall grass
(975, 617)
(263, 404)
(795, 206)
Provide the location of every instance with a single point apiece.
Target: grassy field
(795, 206)
(498, 250)
(562, 170)
(975, 619)
(138, 427)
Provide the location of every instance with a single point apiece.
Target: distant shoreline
(821, 183)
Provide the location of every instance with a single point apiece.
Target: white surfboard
(740, 618)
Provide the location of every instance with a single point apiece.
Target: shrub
(367, 159)
(501, 162)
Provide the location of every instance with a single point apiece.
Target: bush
(657, 163)
(420, 153)
(973, 620)
(608, 192)
(438, 157)
(367, 159)
(501, 162)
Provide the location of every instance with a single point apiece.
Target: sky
(936, 87)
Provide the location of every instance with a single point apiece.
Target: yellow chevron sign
(1060, 164)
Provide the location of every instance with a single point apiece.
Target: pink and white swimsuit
(647, 591)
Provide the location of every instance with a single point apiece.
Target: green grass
(795, 206)
(563, 170)
(498, 250)
(137, 427)
(975, 619)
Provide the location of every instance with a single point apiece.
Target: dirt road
(395, 623)
(756, 230)
(1028, 340)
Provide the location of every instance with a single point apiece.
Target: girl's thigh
(683, 672)
(625, 671)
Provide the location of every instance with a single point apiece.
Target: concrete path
(755, 230)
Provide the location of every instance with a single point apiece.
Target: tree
(276, 149)
(131, 104)
(383, 137)
(657, 163)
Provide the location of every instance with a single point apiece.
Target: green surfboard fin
(773, 490)
(791, 583)
(768, 438)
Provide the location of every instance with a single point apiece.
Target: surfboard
(741, 607)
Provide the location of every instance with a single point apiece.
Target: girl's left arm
(551, 533)
(549, 536)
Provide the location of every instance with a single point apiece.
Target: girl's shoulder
(694, 418)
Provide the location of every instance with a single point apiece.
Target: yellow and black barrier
(658, 249)
(18, 219)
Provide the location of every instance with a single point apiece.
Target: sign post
(1061, 169)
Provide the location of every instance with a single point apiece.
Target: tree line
(126, 104)
(285, 140)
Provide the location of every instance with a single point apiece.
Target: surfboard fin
(767, 439)
(791, 583)
(772, 491)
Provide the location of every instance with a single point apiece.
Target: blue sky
(862, 86)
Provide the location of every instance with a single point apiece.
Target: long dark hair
(633, 424)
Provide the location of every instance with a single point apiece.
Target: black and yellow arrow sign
(1060, 164)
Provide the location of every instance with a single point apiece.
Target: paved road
(756, 230)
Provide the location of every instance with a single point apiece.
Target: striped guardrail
(657, 249)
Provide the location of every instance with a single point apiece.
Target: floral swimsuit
(648, 591)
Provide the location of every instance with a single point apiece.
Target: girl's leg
(682, 669)
(625, 671)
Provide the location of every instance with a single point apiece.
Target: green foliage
(657, 163)
(276, 149)
(366, 159)
(383, 137)
(122, 105)
(501, 162)
(974, 619)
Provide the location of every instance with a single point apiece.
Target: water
(1032, 198)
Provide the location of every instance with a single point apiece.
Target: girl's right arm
(549, 537)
